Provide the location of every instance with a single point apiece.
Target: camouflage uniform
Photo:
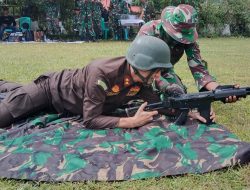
(76, 21)
(148, 10)
(193, 3)
(52, 11)
(179, 42)
(86, 14)
(97, 17)
(117, 8)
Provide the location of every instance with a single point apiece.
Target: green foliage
(238, 15)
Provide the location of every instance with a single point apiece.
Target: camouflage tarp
(56, 148)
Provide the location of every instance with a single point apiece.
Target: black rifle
(200, 101)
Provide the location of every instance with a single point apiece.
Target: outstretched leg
(22, 102)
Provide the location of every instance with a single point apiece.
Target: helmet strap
(144, 79)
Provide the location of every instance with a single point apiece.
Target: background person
(7, 22)
(51, 9)
(86, 29)
(31, 10)
(117, 8)
(148, 10)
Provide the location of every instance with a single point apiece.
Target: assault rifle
(200, 101)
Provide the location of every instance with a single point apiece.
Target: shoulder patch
(102, 84)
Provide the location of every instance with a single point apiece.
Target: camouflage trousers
(29, 99)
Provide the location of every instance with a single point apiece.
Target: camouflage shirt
(118, 7)
(199, 71)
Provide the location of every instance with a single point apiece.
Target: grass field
(228, 60)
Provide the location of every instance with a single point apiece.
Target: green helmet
(148, 53)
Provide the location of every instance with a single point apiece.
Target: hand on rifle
(232, 99)
(143, 117)
(139, 119)
(194, 114)
(216, 86)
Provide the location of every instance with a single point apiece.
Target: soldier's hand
(232, 99)
(143, 117)
(194, 114)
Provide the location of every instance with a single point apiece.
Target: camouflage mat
(57, 148)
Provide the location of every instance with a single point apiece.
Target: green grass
(229, 61)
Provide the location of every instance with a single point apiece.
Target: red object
(106, 4)
(135, 9)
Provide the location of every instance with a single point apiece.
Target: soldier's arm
(93, 103)
(93, 118)
(139, 119)
(199, 71)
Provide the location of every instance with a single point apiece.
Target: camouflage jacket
(118, 7)
(52, 9)
(198, 69)
(148, 11)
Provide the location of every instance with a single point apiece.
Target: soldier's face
(155, 76)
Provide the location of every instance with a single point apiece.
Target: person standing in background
(6, 22)
(117, 8)
(86, 31)
(97, 17)
(52, 12)
(148, 10)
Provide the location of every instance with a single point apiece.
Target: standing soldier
(97, 17)
(87, 32)
(177, 27)
(52, 12)
(76, 21)
(117, 8)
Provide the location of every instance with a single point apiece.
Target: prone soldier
(96, 90)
